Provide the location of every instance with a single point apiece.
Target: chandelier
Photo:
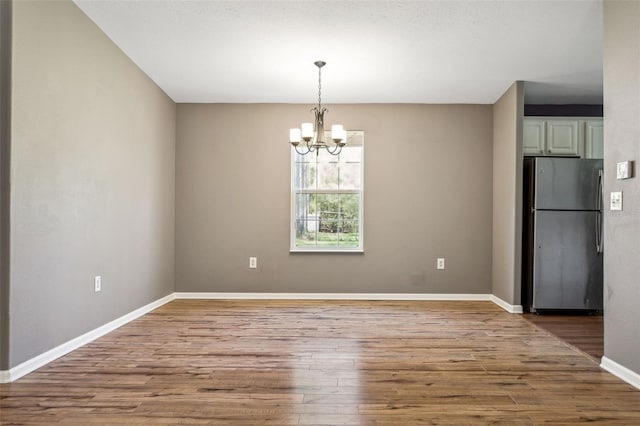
(313, 133)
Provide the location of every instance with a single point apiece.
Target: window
(326, 198)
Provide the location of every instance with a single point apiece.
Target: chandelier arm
(336, 151)
(303, 152)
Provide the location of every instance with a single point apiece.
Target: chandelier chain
(319, 87)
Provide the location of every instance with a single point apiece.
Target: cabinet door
(562, 137)
(533, 138)
(594, 139)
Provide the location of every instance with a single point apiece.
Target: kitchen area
(562, 238)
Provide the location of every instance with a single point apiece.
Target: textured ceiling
(376, 51)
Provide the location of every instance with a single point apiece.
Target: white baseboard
(334, 296)
(27, 367)
(621, 372)
(512, 309)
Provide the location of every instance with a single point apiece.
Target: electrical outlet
(616, 201)
(97, 283)
(440, 263)
(253, 262)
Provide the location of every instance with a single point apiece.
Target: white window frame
(355, 138)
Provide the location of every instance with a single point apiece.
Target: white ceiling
(376, 51)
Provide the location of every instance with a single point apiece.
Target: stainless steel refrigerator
(562, 234)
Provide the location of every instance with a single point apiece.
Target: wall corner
(6, 20)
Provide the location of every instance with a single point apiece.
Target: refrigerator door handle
(598, 232)
(599, 191)
(599, 214)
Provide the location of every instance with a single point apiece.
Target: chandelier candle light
(313, 133)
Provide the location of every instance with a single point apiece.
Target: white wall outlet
(616, 201)
(97, 283)
(253, 262)
(440, 263)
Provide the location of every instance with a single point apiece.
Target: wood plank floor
(586, 332)
(323, 362)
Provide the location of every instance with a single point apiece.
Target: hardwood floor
(323, 362)
(586, 332)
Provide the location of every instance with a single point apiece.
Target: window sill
(333, 251)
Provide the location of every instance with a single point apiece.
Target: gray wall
(92, 167)
(5, 135)
(508, 112)
(622, 142)
(427, 194)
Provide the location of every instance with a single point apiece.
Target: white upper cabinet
(563, 136)
(593, 139)
(534, 137)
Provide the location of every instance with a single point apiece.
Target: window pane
(305, 176)
(327, 205)
(348, 226)
(349, 235)
(305, 206)
(324, 157)
(306, 232)
(350, 176)
(328, 233)
(303, 158)
(327, 175)
(349, 206)
(351, 154)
